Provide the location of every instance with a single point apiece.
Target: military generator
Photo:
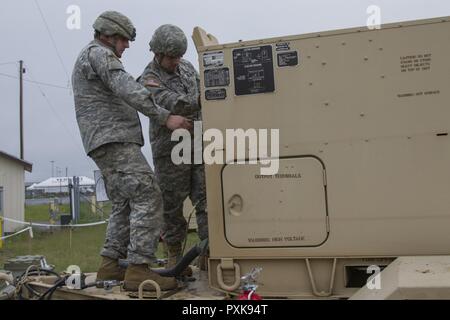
(363, 176)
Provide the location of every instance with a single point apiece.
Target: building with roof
(12, 189)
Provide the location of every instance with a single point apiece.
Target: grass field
(62, 248)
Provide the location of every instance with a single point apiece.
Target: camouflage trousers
(178, 182)
(135, 223)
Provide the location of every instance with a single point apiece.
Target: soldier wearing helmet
(175, 85)
(115, 31)
(107, 101)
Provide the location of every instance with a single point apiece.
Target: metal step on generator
(364, 173)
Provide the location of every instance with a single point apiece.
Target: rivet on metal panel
(317, 46)
(324, 63)
(366, 58)
(326, 103)
(344, 43)
(310, 83)
(381, 49)
(362, 115)
(383, 76)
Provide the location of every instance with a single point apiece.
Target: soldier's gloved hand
(178, 122)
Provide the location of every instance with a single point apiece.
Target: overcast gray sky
(51, 131)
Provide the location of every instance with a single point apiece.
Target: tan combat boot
(110, 270)
(173, 253)
(138, 273)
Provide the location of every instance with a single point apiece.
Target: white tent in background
(32, 187)
(61, 184)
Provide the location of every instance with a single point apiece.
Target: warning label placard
(416, 63)
(253, 70)
(287, 59)
(217, 77)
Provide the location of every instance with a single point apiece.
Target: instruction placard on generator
(253, 70)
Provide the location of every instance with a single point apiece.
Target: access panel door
(288, 209)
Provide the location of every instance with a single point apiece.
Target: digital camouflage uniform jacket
(107, 98)
(178, 93)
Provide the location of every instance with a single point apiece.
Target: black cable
(193, 253)
(37, 272)
(30, 289)
(40, 271)
(53, 288)
(35, 82)
(52, 40)
(90, 285)
(57, 116)
(11, 62)
(53, 291)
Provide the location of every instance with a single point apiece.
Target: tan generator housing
(364, 172)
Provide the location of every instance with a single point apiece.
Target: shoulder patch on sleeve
(150, 82)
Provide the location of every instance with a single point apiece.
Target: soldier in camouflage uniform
(175, 85)
(107, 99)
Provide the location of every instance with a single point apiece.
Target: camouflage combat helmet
(111, 23)
(169, 40)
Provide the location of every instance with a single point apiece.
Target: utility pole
(21, 72)
(67, 171)
(53, 162)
